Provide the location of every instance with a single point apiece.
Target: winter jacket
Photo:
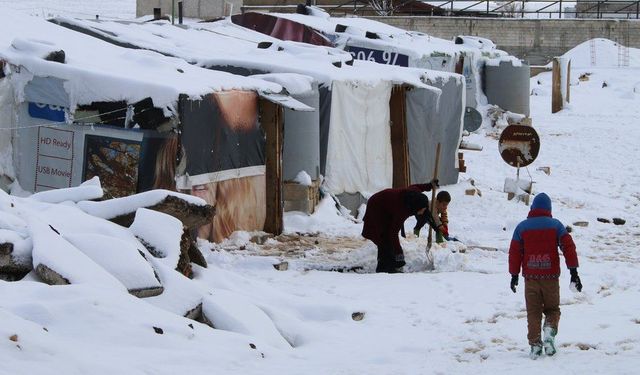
(535, 242)
(440, 223)
(386, 213)
(444, 220)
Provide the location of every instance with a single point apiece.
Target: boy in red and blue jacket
(534, 248)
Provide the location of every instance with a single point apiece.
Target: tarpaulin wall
(324, 109)
(7, 119)
(469, 69)
(301, 151)
(423, 130)
(471, 73)
(223, 145)
(359, 147)
(439, 62)
(446, 128)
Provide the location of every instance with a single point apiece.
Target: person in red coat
(534, 249)
(384, 218)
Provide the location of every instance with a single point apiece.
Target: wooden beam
(273, 125)
(556, 87)
(568, 94)
(399, 135)
(460, 65)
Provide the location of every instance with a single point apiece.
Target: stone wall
(535, 40)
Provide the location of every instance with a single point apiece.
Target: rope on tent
(63, 123)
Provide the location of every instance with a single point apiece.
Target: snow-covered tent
(76, 107)
(371, 40)
(353, 159)
(429, 118)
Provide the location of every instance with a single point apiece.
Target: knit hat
(414, 201)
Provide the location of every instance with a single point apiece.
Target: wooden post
(399, 137)
(460, 65)
(180, 12)
(173, 12)
(433, 196)
(568, 94)
(561, 76)
(556, 87)
(273, 125)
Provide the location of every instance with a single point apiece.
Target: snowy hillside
(603, 53)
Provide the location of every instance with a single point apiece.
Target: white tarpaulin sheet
(359, 148)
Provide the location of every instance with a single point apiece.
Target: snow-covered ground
(459, 319)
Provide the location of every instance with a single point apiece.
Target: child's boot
(549, 340)
(536, 351)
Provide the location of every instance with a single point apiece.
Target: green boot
(549, 340)
(536, 351)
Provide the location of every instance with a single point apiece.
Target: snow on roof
(296, 84)
(412, 44)
(225, 44)
(99, 71)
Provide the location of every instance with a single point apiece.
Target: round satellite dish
(472, 119)
(519, 145)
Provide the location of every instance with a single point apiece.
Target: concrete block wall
(203, 9)
(535, 40)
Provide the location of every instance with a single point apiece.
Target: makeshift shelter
(371, 40)
(358, 152)
(442, 113)
(81, 108)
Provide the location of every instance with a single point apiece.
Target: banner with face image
(222, 160)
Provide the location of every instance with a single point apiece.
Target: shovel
(430, 265)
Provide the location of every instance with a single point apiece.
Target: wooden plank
(460, 65)
(272, 123)
(568, 96)
(399, 135)
(556, 87)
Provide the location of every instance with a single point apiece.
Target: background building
(204, 9)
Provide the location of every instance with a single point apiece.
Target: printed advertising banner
(115, 161)
(222, 160)
(379, 56)
(54, 159)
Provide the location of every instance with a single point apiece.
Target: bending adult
(384, 218)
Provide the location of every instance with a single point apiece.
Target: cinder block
(299, 205)
(298, 197)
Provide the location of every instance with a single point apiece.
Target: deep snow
(462, 318)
